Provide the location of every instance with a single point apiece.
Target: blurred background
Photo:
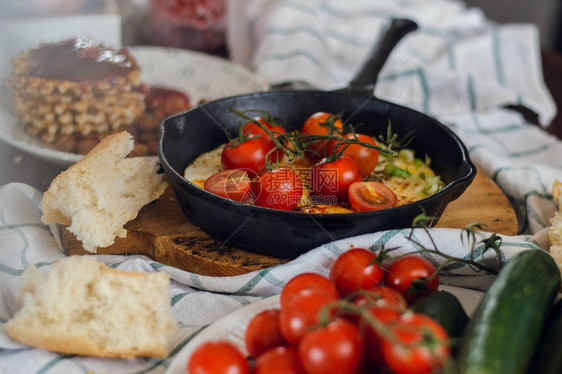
(546, 14)
(203, 24)
(135, 20)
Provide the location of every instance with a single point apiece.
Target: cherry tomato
(367, 158)
(377, 293)
(335, 348)
(301, 313)
(217, 357)
(278, 189)
(356, 270)
(307, 282)
(252, 129)
(331, 180)
(248, 155)
(384, 313)
(280, 360)
(367, 196)
(321, 123)
(263, 333)
(420, 345)
(404, 270)
(232, 184)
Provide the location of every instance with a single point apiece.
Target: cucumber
(547, 358)
(445, 308)
(503, 331)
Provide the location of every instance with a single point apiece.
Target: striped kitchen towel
(458, 67)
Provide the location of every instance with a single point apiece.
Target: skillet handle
(364, 81)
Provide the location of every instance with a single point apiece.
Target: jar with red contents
(192, 24)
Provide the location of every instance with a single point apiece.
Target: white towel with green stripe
(458, 67)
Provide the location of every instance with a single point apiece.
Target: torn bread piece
(83, 307)
(555, 231)
(104, 190)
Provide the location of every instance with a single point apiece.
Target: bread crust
(101, 192)
(77, 345)
(51, 214)
(52, 334)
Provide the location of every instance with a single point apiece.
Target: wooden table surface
(163, 232)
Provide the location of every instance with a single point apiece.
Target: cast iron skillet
(287, 234)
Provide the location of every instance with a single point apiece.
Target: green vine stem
(423, 222)
(344, 308)
(295, 145)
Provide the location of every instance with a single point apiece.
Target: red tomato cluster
(355, 321)
(338, 165)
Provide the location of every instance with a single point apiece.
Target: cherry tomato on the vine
(355, 270)
(321, 123)
(232, 184)
(384, 313)
(419, 345)
(404, 270)
(252, 129)
(263, 333)
(248, 155)
(331, 180)
(279, 360)
(377, 293)
(368, 196)
(278, 189)
(301, 313)
(306, 282)
(217, 357)
(335, 348)
(367, 158)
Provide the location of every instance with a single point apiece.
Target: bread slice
(104, 190)
(555, 230)
(83, 307)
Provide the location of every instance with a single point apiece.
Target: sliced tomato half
(367, 196)
(233, 184)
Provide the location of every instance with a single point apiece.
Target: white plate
(199, 75)
(233, 326)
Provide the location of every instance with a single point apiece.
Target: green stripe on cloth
(342, 13)
(23, 226)
(10, 270)
(321, 37)
(177, 298)
(299, 6)
(425, 89)
(295, 30)
(531, 152)
(496, 50)
(295, 53)
(53, 363)
(385, 238)
(499, 130)
(471, 96)
(452, 57)
(263, 274)
(545, 188)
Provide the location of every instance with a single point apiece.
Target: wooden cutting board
(162, 232)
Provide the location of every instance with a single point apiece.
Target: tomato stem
(295, 145)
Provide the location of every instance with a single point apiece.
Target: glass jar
(192, 24)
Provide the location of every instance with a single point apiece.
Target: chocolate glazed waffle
(73, 93)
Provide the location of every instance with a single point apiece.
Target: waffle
(77, 86)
